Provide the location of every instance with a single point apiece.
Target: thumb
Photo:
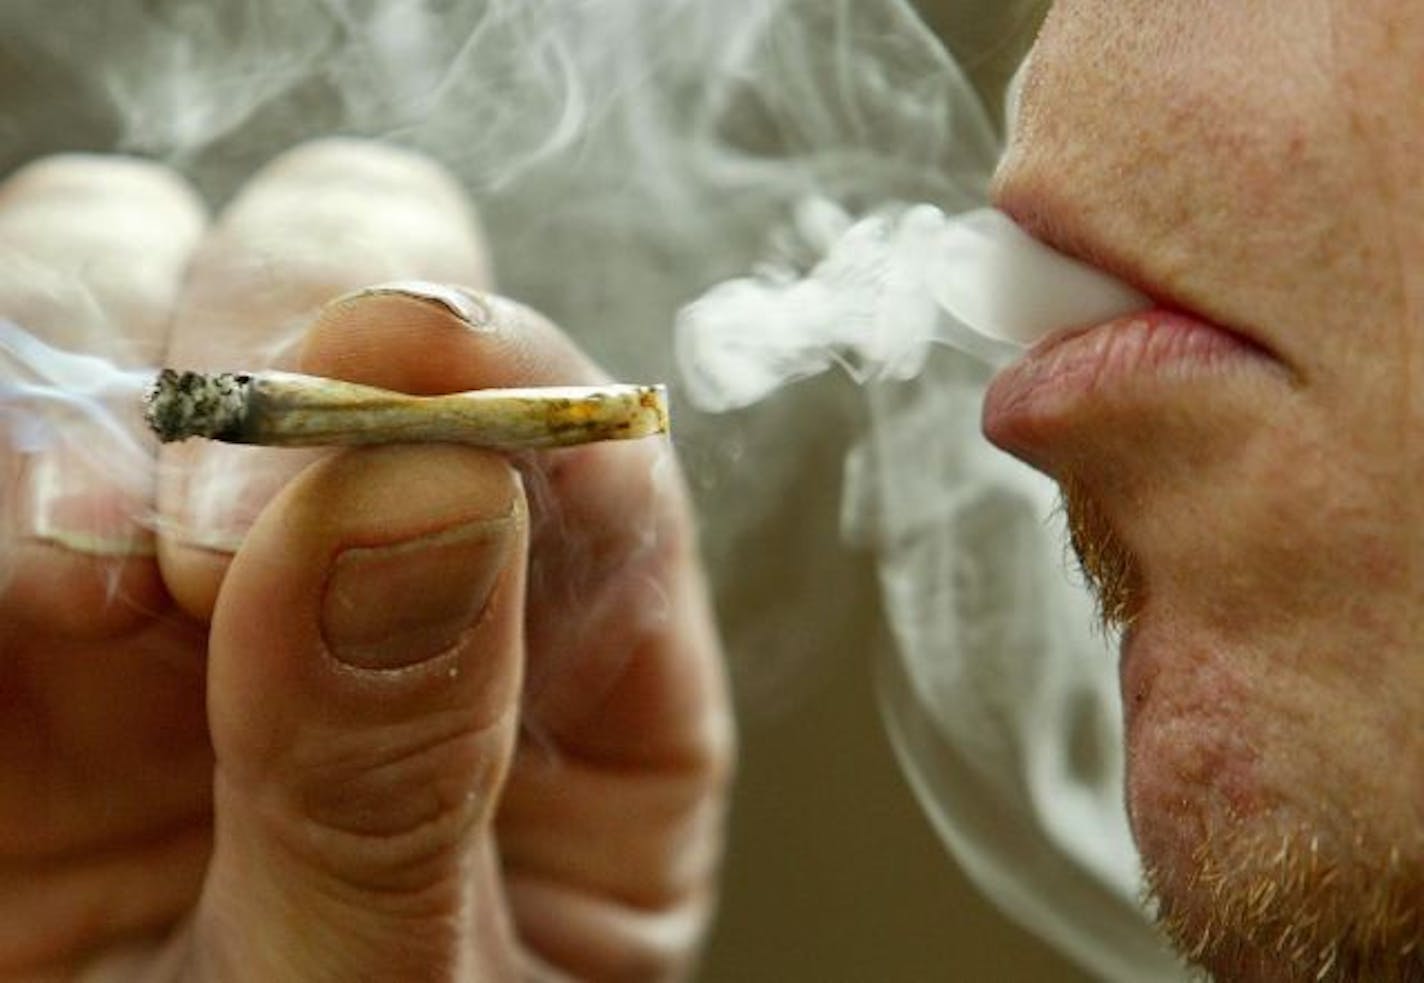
(364, 678)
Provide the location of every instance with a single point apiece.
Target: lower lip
(1133, 358)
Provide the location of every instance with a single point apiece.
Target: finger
(613, 571)
(94, 248)
(613, 811)
(318, 222)
(365, 670)
(92, 253)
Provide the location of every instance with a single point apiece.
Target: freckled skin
(1262, 164)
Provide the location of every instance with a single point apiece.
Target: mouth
(1135, 365)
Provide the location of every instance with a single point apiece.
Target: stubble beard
(1265, 899)
(1106, 563)
(1259, 904)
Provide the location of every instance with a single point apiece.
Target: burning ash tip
(180, 405)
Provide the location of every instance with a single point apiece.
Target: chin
(1270, 854)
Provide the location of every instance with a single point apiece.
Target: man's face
(1246, 480)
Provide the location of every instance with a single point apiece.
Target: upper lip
(1050, 228)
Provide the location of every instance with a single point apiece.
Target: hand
(390, 714)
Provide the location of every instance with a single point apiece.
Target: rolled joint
(279, 409)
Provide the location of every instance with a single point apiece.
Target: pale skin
(1261, 164)
(492, 742)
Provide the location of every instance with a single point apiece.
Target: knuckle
(394, 811)
(343, 213)
(369, 165)
(79, 180)
(92, 250)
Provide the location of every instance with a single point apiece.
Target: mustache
(1110, 568)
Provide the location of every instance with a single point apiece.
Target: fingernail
(469, 306)
(395, 606)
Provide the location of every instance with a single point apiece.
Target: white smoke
(78, 417)
(890, 286)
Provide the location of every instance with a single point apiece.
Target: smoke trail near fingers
(91, 250)
(57, 405)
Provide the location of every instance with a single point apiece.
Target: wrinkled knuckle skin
(73, 176)
(369, 163)
(394, 815)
